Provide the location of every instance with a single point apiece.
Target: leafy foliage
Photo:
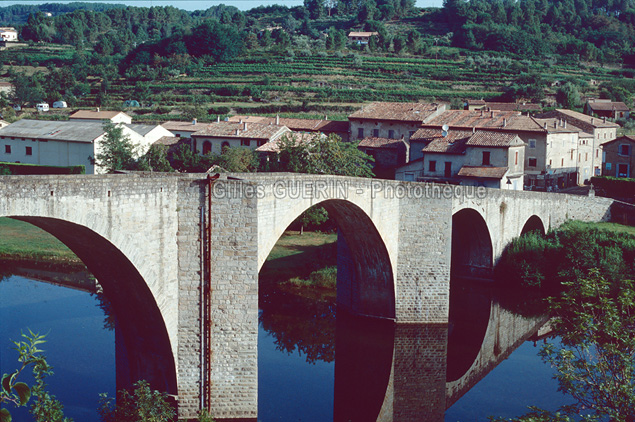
(139, 405)
(46, 407)
(117, 151)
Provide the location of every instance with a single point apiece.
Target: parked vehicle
(42, 107)
(60, 104)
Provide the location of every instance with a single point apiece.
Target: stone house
(389, 154)
(551, 145)
(617, 157)
(391, 120)
(325, 126)
(607, 108)
(216, 136)
(487, 158)
(601, 130)
(8, 34)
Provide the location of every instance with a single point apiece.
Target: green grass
(297, 256)
(25, 242)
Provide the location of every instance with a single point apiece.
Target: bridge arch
(534, 224)
(140, 324)
(365, 283)
(472, 247)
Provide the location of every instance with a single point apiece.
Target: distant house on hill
(607, 108)
(8, 34)
(361, 37)
(99, 115)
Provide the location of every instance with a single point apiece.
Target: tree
(156, 159)
(46, 407)
(568, 95)
(141, 405)
(240, 160)
(117, 151)
(595, 358)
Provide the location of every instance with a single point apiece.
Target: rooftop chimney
(244, 125)
(277, 119)
(326, 117)
(604, 119)
(473, 129)
(97, 109)
(504, 122)
(218, 119)
(237, 132)
(555, 124)
(545, 125)
(481, 112)
(564, 123)
(193, 121)
(492, 115)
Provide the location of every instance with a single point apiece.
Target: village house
(607, 108)
(67, 143)
(391, 120)
(325, 126)
(101, 116)
(600, 130)
(184, 129)
(552, 146)
(361, 37)
(389, 154)
(467, 157)
(617, 157)
(217, 136)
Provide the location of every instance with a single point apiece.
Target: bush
(141, 405)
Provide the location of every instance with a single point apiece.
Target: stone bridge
(179, 255)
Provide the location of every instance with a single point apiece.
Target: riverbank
(25, 243)
(304, 260)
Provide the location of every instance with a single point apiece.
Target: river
(299, 375)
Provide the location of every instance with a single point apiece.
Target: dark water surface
(299, 377)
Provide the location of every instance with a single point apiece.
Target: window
(432, 166)
(376, 133)
(224, 146)
(622, 170)
(486, 155)
(597, 153)
(391, 134)
(586, 156)
(532, 143)
(207, 147)
(532, 162)
(608, 166)
(245, 142)
(562, 162)
(448, 169)
(571, 155)
(516, 159)
(7, 149)
(409, 177)
(29, 150)
(360, 132)
(625, 150)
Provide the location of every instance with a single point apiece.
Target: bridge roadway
(179, 255)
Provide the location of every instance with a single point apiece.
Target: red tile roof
(486, 172)
(607, 106)
(507, 120)
(405, 112)
(372, 142)
(579, 119)
(491, 139)
(241, 130)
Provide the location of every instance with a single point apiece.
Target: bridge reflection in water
(409, 372)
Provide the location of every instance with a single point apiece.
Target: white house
(8, 34)
(101, 116)
(467, 157)
(67, 143)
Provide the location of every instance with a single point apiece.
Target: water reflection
(406, 372)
